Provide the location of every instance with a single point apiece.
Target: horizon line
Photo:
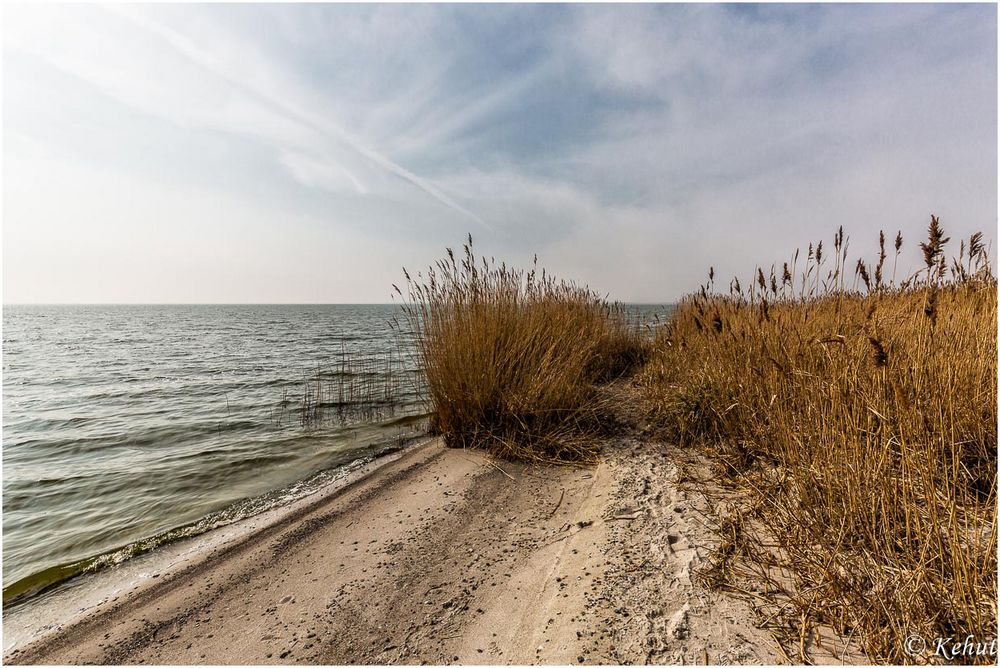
(6, 304)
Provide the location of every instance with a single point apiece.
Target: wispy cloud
(631, 145)
(322, 125)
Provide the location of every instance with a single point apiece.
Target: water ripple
(123, 423)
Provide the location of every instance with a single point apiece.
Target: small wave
(50, 578)
(110, 403)
(407, 420)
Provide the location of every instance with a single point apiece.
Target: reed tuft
(512, 359)
(862, 429)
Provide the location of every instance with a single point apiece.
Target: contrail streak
(321, 126)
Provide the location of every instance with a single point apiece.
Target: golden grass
(511, 358)
(862, 426)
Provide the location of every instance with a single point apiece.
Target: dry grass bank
(859, 417)
(511, 358)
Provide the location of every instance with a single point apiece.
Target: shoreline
(41, 583)
(61, 603)
(439, 555)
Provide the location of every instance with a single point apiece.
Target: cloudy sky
(280, 153)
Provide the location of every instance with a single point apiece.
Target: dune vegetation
(858, 415)
(512, 359)
(851, 415)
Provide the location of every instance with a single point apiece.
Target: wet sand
(443, 556)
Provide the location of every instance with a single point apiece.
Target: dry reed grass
(356, 390)
(861, 423)
(511, 358)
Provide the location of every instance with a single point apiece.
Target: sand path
(441, 556)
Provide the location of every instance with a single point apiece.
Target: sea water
(127, 427)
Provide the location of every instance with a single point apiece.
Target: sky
(307, 153)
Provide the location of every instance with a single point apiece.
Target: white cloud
(632, 145)
(321, 174)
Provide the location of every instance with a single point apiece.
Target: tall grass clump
(512, 358)
(859, 416)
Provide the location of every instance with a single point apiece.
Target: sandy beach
(444, 556)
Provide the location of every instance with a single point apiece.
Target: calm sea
(125, 427)
(124, 424)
